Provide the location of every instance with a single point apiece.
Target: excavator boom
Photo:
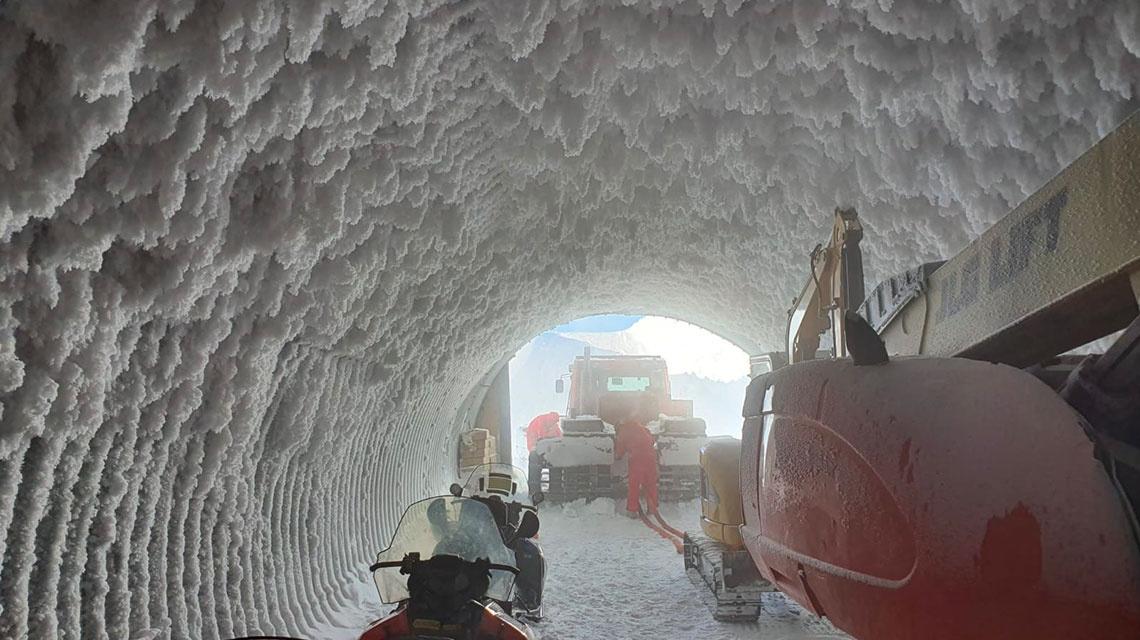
(1060, 270)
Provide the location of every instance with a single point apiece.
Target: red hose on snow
(665, 525)
(677, 543)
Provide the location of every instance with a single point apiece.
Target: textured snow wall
(253, 255)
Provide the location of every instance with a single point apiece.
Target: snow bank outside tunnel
(254, 255)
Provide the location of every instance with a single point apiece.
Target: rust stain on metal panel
(904, 456)
(1010, 557)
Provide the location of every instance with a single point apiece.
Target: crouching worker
(634, 440)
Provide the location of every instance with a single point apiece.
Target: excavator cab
(975, 481)
(978, 482)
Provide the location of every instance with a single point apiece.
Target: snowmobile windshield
(446, 525)
(503, 480)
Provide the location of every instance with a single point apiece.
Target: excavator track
(727, 579)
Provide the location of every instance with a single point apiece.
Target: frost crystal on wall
(253, 255)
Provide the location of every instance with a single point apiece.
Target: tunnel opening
(709, 368)
(702, 367)
(588, 370)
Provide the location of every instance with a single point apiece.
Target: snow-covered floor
(612, 577)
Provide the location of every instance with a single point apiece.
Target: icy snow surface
(254, 255)
(612, 577)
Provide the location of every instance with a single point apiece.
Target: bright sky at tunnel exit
(605, 322)
(703, 367)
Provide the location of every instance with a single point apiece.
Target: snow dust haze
(253, 255)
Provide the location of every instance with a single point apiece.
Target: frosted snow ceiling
(253, 255)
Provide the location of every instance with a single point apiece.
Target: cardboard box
(476, 447)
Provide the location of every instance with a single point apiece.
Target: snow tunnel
(255, 255)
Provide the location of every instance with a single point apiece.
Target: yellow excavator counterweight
(722, 512)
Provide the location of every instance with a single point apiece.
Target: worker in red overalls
(542, 427)
(634, 439)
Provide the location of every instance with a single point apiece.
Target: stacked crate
(476, 447)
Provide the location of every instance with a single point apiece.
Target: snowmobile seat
(441, 588)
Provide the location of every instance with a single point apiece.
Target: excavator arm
(836, 285)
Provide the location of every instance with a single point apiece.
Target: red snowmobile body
(493, 626)
(935, 498)
(449, 570)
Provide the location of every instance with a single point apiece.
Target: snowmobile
(448, 571)
(506, 492)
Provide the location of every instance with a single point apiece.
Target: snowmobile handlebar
(401, 563)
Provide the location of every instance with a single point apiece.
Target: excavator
(715, 558)
(934, 461)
